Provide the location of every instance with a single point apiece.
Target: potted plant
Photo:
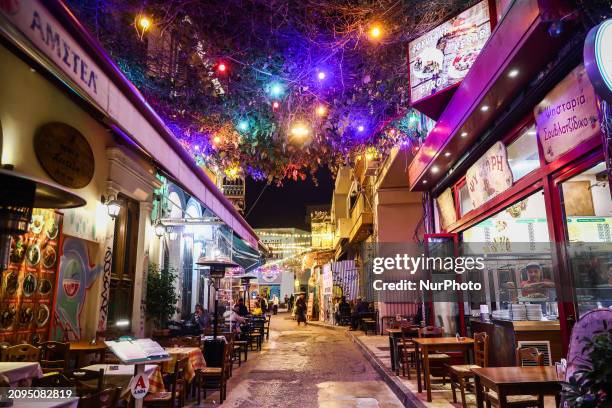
(161, 296)
(590, 386)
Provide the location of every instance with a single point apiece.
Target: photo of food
(12, 283)
(51, 229)
(33, 254)
(42, 315)
(49, 257)
(37, 224)
(18, 249)
(29, 284)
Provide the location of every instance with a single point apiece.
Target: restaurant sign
(443, 56)
(567, 116)
(489, 176)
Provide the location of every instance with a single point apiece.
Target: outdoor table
(20, 374)
(83, 348)
(72, 402)
(195, 360)
(426, 344)
(122, 376)
(516, 381)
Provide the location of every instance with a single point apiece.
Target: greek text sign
(567, 116)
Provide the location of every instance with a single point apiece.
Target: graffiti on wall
(105, 293)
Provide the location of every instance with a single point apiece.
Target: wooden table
(20, 374)
(427, 344)
(195, 360)
(83, 348)
(516, 381)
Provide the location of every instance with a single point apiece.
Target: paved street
(307, 367)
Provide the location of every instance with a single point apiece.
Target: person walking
(286, 301)
(300, 305)
(291, 301)
(275, 303)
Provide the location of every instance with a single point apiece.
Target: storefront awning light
(160, 230)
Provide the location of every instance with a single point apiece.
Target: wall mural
(76, 275)
(104, 295)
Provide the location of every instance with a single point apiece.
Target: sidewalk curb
(402, 392)
(329, 326)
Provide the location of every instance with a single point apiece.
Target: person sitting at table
(344, 308)
(236, 320)
(242, 309)
(201, 317)
(360, 308)
(257, 311)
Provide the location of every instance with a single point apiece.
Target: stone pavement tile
(361, 394)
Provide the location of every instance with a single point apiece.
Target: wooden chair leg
(452, 382)
(462, 390)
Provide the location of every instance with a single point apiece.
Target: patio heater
(20, 195)
(213, 351)
(246, 283)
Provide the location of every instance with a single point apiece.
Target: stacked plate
(534, 312)
(518, 312)
(501, 314)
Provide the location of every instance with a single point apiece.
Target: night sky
(286, 206)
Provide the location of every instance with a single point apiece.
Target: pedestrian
(241, 308)
(291, 301)
(336, 311)
(275, 303)
(300, 305)
(286, 301)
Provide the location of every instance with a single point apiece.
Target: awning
(241, 252)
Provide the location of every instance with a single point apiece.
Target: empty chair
(438, 362)
(108, 398)
(21, 352)
(176, 395)
(460, 374)
(406, 350)
(523, 355)
(214, 378)
(52, 380)
(86, 381)
(53, 356)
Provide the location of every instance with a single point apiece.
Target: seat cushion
(212, 371)
(463, 369)
(158, 396)
(439, 356)
(492, 396)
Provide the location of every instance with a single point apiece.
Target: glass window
(518, 272)
(464, 197)
(523, 155)
(587, 208)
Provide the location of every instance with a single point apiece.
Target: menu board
(443, 56)
(28, 285)
(139, 350)
(589, 229)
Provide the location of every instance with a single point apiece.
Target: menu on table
(29, 282)
(140, 350)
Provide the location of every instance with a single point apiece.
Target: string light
(221, 67)
(243, 125)
(299, 130)
(321, 110)
(321, 75)
(275, 105)
(360, 128)
(144, 23)
(375, 32)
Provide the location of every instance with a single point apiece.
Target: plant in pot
(590, 386)
(161, 295)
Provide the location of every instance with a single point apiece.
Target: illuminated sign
(598, 58)
(443, 56)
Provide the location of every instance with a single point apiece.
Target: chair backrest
(21, 352)
(52, 380)
(53, 355)
(178, 376)
(103, 399)
(529, 354)
(82, 378)
(190, 341)
(481, 349)
(431, 331)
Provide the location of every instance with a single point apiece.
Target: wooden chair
(406, 350)
(52, 380)
(266, 329)
(531, 356)
(177, 389)
(84, 379)
(438, 362)
(53, 356)
(460, 374)
(21, 353)
(214, 378)
(109, 398)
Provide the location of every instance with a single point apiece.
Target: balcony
(367, 166)
(361, 220)
(343, 229)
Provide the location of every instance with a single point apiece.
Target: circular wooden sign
(65, 154)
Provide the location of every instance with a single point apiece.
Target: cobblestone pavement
(306, 367)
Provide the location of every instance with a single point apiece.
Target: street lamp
(159, 229)
(113, 207)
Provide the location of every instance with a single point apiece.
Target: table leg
(501, 395)
(392, 352)
(426, 372)
(479, 393)
(417, 353)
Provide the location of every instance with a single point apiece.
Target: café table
(437, 344)
(83, 348)
(195, 360)
(507, 381)
(121, 376)
(72, 402)
(20, 374)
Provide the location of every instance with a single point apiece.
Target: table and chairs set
(431, 353)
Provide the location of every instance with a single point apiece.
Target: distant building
(321, 227)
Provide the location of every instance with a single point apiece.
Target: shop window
(124, 262)
(518, 264)
(587, 208)
(523, 155)
(464, 200)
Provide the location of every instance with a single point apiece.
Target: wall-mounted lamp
(113, 206)
(160, 230)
